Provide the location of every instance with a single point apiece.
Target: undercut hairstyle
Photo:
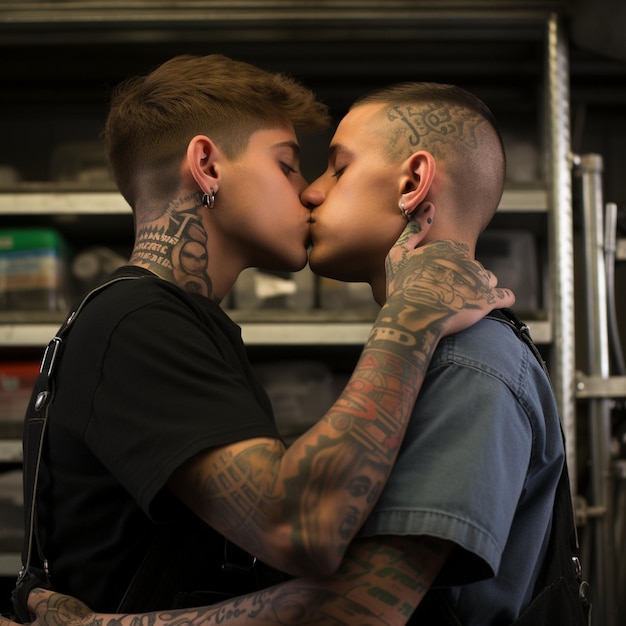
(457, 128)
(152, 118)
(442, 110)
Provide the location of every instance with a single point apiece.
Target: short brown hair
(152, 118)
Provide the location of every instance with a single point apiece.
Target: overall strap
(521, 330)
(34, 434)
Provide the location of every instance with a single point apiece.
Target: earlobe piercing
(405, 215)
(208, 199)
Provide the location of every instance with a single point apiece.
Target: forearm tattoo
(324, 486)
(380, 583)
(336, 471)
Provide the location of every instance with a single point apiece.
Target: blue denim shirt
(479, 467)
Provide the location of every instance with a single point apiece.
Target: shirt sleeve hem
(479, 555)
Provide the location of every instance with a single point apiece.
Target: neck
(172, 243)
(379, 289)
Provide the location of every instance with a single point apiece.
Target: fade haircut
(458, 128)
(152, 118)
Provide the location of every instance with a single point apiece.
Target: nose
(312, 196)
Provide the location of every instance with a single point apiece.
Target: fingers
(503, 298)
(38, 602)
(408, 240)
(48, 607)
(441, 284)
(441, 261)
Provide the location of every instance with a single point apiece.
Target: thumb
(409, 239)
(49, 608)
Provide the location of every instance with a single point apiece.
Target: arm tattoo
(325, 485)
(380, 583)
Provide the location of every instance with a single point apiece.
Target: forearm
(298, 509)
(331, 476)
(381, 582)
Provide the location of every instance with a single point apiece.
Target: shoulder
(142, 297)
(490, 344)
(140, 316)
(491, 356)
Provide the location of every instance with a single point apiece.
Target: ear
(418, 175)
(202, 159)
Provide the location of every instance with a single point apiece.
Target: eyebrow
(291, 145)
(337, 148)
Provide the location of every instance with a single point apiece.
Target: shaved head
(459, 130)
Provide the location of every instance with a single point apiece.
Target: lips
(309, 241)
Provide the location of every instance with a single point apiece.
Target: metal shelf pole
(589, 168)
(560, 240)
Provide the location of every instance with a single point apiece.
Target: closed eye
(287, 169)
(339, 172)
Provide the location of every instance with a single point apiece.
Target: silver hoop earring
(405, 215)
(208, 199)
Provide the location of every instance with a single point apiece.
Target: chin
(291, 265)
(335, 270)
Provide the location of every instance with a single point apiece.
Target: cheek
(349, 250)
(353, 233)
(277, 207)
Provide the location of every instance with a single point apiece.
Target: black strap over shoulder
(34, 571)
(521, 330)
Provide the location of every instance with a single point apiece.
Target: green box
(33, 269)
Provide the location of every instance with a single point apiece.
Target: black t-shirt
(149, 376)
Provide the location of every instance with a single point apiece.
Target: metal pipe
(603, 580)
(610, 249)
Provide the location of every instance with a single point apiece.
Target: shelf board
(314, 328)
(54, 201)
(63, 202)
(150, 15)
(524, 200)
(341, 333)
(10, 563)
(10, 450)
(255, 333)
